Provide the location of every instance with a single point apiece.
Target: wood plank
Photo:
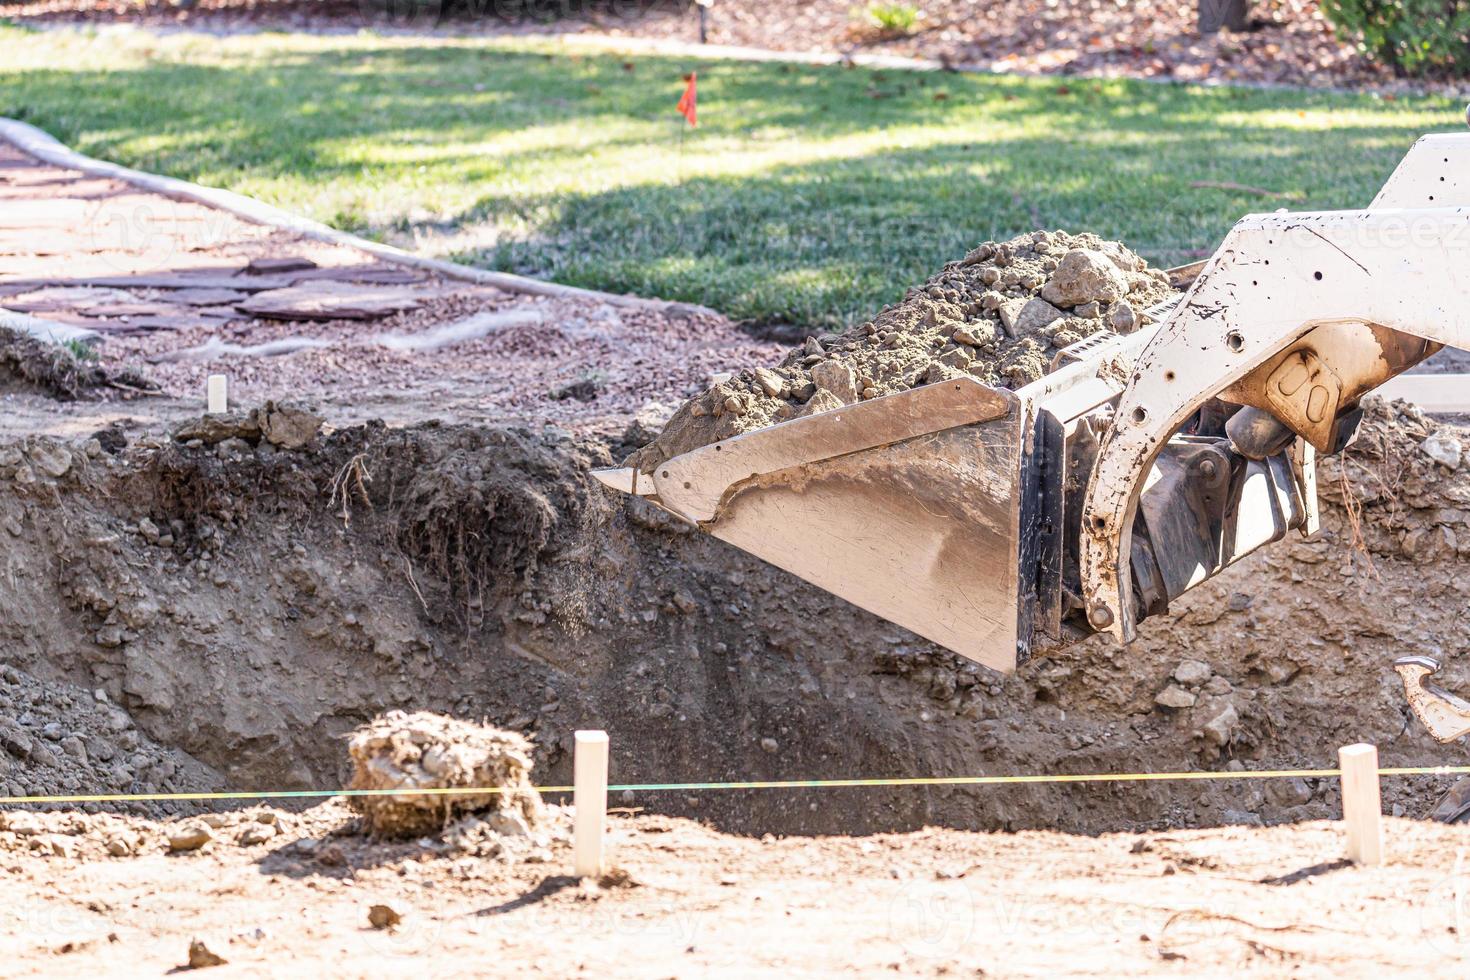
(330, 300)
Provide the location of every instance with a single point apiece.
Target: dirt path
(173, 288)
(1234, 901)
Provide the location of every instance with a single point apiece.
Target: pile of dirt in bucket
(426, 751)
(998, 315)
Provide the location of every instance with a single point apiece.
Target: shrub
(892, 19)
(1414, 37)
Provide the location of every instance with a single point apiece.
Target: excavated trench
(182, 616)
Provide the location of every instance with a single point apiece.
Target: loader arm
(1001, 523)
(1297, 316)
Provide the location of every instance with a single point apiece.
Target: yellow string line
(1119, 777)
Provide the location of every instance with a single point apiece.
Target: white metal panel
(1275, 277)
(1434, 174)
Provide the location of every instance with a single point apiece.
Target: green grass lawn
(809, 196)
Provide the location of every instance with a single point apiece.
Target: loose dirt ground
(687, 901)
(219, 611)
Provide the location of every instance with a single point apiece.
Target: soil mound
(998, 315)
(57, 371)
(58, 738)
(422, 750)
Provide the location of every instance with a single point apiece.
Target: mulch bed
(1289, 42)
(178, 291)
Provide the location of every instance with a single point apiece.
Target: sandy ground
(687, 901)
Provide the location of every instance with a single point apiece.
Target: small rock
(256, 833)
(287, 426)
(49, 458)
(201, 956)
(16, 742)
(21, 823)
(836, 378)
(232, 447)
(214, 429)
(822, 401)
(118, 847)
(384, 916)
(1123, 319)
(771, 383)
(1443, 449)
(975, 334)
(1242, 818)
(1192, 672)
(1031, 317)
(1174, 697)
(770, 746)
(1293, 791)
(189, 837)
(1085, 276)
(1218, 685)
(1219, 729)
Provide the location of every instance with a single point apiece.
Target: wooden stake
(1362, 806)
(217, 394)
(589, 800)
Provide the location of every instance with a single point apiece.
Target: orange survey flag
(688, 99)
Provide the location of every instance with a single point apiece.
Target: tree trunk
(1215, 15)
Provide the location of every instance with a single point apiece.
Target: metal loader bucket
(907, 506)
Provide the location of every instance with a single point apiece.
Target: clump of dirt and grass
(408, 753)
(63, 371)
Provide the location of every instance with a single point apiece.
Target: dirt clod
(420, 751)
(58, 371)
(189, 837)
(201, 956)
(384, 916)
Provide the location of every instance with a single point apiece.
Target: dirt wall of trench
(245, 607)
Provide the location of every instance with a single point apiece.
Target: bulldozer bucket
(908, 506)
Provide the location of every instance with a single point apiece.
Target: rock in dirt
(998, 315)
(1085, 276)
(214, 429)
(1174, 697)
(419, 751)
(189, 837)
(1220, 728)
(201, 956)
(280, 424)
(1444, 449)
(1192, 673)
(384, 916)
(288, 426)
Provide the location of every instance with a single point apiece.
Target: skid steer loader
(998, 523)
